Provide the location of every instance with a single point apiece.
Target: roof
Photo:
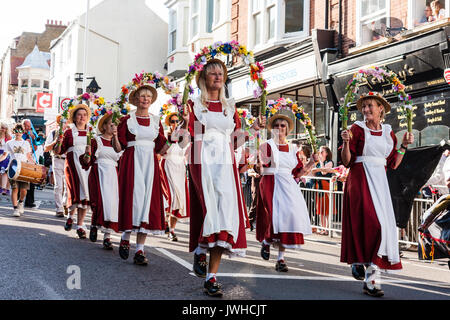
(36, 60)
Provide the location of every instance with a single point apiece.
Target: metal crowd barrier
(325, 208)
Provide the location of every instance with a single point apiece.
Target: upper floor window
(276, 20)
(46, 84)
(425, 11)
(372, 20)
(209, 15)
(35, 83)
(172, 30)
(294, 16)
(195, 18)
(69, 48)
(24, 83)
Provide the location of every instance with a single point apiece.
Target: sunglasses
(17, 131)
(279, 125)
(174, 121)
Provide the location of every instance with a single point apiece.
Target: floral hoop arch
(227, 48)
(381, 75)
(274, 106)
(121, 107)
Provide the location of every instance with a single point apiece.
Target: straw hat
(78, 107)
(376, 96)
(168, 117)
(58, 118)
(225, 71)
(283, 117)
(135, 99)
(102, 121)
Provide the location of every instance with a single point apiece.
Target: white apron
(78, 149)
(289, 210)
(175, 169)
(144, 167)
(218, 178)
(109, 185)
(376, 150)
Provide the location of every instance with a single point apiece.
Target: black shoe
(281, 266)
(68, 225)
(140, 259)
(124, 249)
(265, 251)
(93, 234)
(373, 292)
(167, 229)
(252, 224)
(358, 271)
(59, 215)
(172, 236)
(212, 288)
(107, 244)
(200, 264)
(81, 233)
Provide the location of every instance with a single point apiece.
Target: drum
(27, 172)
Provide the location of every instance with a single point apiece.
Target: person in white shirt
(58, 162)
(437, 10)
(19, 150)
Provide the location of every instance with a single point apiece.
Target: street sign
(447, 75)
(43, 101)
(63, 102)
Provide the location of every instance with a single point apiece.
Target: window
(257, 22)
(172, 30)
(294, 16)
(61, 56)
(195, 20)
(68, 86)
(420, 12)
(24, 83)
(185, 26)
(372, 20)
(271, 17)
(46, 84)
(217, 9)
(22, 100)
(52, 65)
(210, 16)
(35, 83)
(69, 48)
(33, 104)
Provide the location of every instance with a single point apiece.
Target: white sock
(280, 255)
(126, 236)
(266, 243)
(107, 236)
(139, 247)
(200, 250)
(373, 278)
(171, 229)
(210, 275)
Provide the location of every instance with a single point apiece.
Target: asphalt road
(41, 261)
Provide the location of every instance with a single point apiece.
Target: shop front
(419, 62)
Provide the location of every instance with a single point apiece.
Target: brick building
(14, 57)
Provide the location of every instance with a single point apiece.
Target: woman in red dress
(282, 215)
(141, 208)
(217, 211)
(101, 159)
(73, 143)
(369, 232)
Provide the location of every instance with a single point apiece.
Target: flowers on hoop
(381, 75)
(121, 107)
(227, 48)
(274, 106)
(247, 116)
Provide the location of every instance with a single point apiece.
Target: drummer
(19, 150)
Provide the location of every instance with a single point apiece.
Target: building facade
(125, 37)
(10, 107)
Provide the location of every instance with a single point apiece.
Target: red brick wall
(239, 21)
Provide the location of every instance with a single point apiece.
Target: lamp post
(86, 43)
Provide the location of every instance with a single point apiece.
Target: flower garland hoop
(227, 48)
(122, 108)
(87, 97)
(381, 75)
(273, 106)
